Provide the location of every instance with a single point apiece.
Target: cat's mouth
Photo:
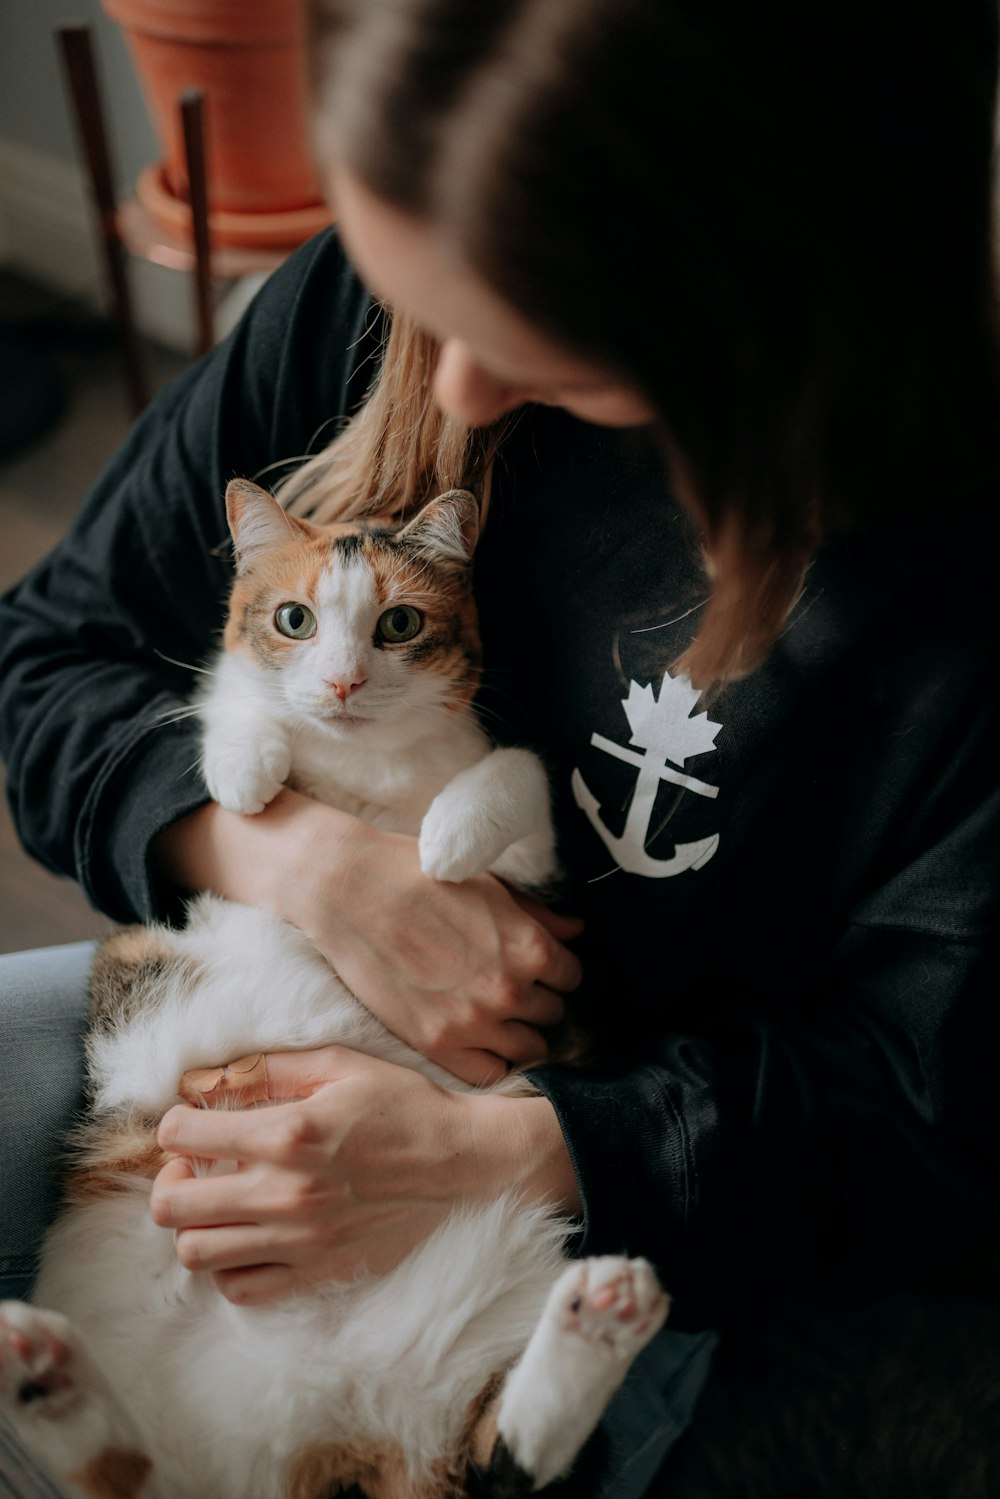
(340, 718)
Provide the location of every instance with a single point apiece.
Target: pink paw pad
(614, 1301)
(33, 1359)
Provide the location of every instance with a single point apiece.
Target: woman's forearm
(518, 1145)
(270, 860)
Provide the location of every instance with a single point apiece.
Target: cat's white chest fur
(387, 772)
(473, 807)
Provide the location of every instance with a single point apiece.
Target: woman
(744, 255)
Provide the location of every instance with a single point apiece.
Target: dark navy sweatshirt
(790, 888)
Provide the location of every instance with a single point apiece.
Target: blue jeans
(43, 1008)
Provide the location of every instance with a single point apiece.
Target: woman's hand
(466, 974)
(360, 1163)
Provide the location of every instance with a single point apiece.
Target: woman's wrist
(268, 860)
(516, 1144)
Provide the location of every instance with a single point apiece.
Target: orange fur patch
(129, 974)
(110, 1152)
(480, 1435)
(114, 1474)
(135, 944)
(380, 1470)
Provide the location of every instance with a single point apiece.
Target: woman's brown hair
(400, 449)
(774, 219)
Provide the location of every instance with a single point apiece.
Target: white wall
(33, 108)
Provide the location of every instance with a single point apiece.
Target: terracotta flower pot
(248, 56)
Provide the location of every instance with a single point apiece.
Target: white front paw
(611, 1301)
(454, 848)
(245, 778)
(529, 864)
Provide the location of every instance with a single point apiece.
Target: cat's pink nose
(344, 690)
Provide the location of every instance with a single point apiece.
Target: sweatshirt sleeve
(844, 1146)
(100, 645)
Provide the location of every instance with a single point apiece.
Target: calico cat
(483, 1360)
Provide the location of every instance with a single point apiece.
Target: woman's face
(491, 360)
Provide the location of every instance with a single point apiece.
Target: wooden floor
(41, 487)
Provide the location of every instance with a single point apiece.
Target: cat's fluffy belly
(388, 774)
(396, 1355)
(241, 981)
(399, 1354)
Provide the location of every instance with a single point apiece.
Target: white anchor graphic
(664, 729)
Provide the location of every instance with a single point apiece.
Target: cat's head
(356, 624)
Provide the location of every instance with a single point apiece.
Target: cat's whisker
(300, 723)
(501, 696)
(203, 671)
(176, 715)
(489, 714)
(434, 716)
(437, 709)
(491, 674)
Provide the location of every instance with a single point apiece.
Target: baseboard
(48, 230)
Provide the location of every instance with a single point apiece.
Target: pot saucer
(282, 229)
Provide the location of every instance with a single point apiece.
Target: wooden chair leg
(81, 81)
(192, 105)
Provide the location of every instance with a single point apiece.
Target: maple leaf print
(663, 725)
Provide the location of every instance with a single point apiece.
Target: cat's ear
(447, 528)
(257, 522)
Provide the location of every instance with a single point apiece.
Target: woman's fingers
(472, 1064)
(250, 1134)
(257, 1284)
(235, 1247)
(522, 1045)
(298, 1074)
(541, 1006)
(562, 928)
(559, 969)
(515, 1045)
(176, 1171)
(241, 1135)
(182, 1200)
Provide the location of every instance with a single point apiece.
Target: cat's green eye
(399, 624)
(295, 621)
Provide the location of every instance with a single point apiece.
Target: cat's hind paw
(62, 1409)
(610, 1300)
(36, 1360)
(599, 1315)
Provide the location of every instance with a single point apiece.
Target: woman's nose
(464, 390)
